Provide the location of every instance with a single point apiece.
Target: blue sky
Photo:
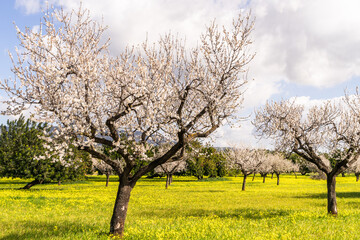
(308, 49)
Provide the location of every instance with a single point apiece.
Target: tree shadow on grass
(163, 179)
(34, 189)
(101, 178)
(48, 230)
(10, 182)
(244, 213)
(324, 195)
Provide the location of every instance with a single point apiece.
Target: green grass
(189, 209)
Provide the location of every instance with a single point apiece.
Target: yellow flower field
(189, 209)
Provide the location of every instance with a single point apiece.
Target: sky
(309, 49)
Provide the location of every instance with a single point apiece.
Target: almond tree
(148, 95)
(325, 128)
(169, 168)
(244, 159)
(265, 168)
(355, 168)
(279, 164)
(103, 168)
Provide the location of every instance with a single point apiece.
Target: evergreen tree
(22, 153)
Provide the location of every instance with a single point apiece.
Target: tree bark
(272, 175)
(278, 178)
(244, 182)
(167, 181)
(263, 176)
(31, 184)
(171, 179)
(343, 174)
(295, 175)
(253, 177)
(107, 179)
(357, 176)
(332, 205)
(117, 223)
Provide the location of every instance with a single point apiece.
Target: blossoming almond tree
(355, 168)
(325, 128)
(169, 168)
(244, 159)
(103, 168)
(148, 95)
(279, 164)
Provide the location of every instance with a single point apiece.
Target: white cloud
(243, 135)
(308, 42)
(30, 6)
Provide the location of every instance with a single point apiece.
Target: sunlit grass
(189, 209)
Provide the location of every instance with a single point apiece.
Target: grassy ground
(189, 209)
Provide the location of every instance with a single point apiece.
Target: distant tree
(175, 165)
(325, 128)
(215, 162)
(22, 153)
(205, 161)
(304, 166)
(243, 159)
(279, 164)
(169, 168)
(266, 167)
(103, 168)
(355, 168)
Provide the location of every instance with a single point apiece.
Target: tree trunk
(263, 176)
(31, 184)
(170, 182)
(107, 179)
(343, 174)
(332, 206)
(244, 182)
(253, 177)
(278, 178)
(167, 181)
(272, 175)
(295, 175)
(59, 182)
(117, 223)
(357, 176)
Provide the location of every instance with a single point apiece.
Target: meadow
(189, 209)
